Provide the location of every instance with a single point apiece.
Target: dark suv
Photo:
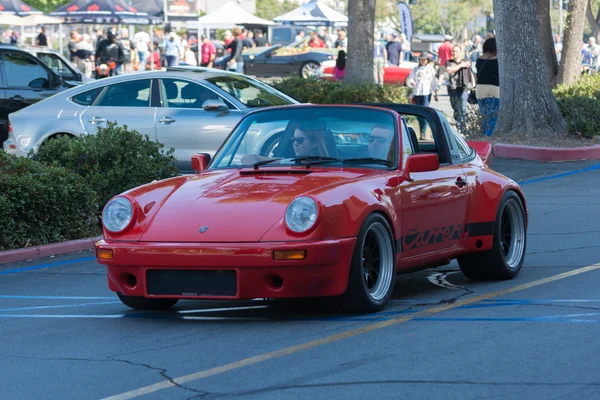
(24, 80)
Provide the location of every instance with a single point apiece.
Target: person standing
(129, 51)
(236, 62)
(445, 54)
(339, 71)
(142, 44)
(85, 55)
(209, 52)
(394, 49)
(424, 83)
(379, 57)
(41, 39)
(459, 82)
(488, 86)
(171, 50)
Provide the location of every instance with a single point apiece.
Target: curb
(546, 154)
(53, 249)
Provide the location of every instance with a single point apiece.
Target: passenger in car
(309, 141)
(380, 142)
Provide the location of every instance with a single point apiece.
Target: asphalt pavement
(65, 335)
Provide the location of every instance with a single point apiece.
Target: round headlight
(301, 214)
(117, 214)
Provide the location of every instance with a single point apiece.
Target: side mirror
(200, 161)
(421, 163)
(214, 105)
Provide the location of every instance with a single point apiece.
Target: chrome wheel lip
(516, 244)
(386, 262)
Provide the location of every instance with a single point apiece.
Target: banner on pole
(405, 20)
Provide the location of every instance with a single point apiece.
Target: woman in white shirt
(423, 81)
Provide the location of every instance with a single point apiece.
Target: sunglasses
(378, 140)
(300, 140)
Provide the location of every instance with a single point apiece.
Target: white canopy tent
(227, 16)
(313, 13)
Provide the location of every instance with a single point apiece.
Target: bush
(40, 204)
(582, 115)
(586, 86)
(328, 92)
(112, 161)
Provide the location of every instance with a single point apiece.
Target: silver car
(189, 109)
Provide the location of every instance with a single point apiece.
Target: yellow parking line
(334, 338)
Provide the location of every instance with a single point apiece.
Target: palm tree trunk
(527, 105)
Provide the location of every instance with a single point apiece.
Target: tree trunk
(359, 65)
(594, 22)
(570, 62)
(543, 13)
(527, 105)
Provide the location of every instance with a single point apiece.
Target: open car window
(329, 135)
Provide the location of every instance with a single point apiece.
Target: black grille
(191, 283)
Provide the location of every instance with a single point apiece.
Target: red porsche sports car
(392, 74)
(347, 198)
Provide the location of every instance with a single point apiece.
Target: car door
(184, 125)
(277, 62)
(126, 103)
(25, 82)
(434, 204)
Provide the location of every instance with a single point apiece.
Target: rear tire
(143, 303)
(505, 259)
(373, 268)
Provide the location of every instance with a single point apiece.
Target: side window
(87, 98)
(183, 94)
(126, 94)
(407, 145)
(251, 93)
(22, 71)
(424, 133)
(56, 64)
(459, 149)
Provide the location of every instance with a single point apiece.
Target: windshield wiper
(315, 160)
(263, 162)
(367, 160)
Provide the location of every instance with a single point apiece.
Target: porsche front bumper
(227, 270)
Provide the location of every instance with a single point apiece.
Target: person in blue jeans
(488, 86)
(236, 62)
(459, 79)
(171, 50)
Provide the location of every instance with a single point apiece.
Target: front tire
(143, 303)
(309, 69)
(373, 268)
(505, 259)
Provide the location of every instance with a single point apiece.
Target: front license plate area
(191, 283)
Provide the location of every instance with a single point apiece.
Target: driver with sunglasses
(380, 142)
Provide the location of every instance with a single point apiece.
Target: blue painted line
(58, 306)
(562, 175)
(49, 265)
(57, 297)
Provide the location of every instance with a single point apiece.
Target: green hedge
(40, 204)
(332, 92)
(586, 86)
(580, 105)
(112, 161)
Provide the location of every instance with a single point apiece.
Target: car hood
(238, 206)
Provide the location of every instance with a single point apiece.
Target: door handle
(96, 120)
(166, 120)
(460, 182)
(18, 98)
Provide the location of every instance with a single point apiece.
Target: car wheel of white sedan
(373, 269)
(505, 259)
(143, 303)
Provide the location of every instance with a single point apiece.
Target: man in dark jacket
(110, 50)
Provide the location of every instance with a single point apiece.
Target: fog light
(104, 254)
(289, 255)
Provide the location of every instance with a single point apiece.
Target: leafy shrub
(586, 86)
(582, 115)
(112, 161)
(329, 92)
(41, 204)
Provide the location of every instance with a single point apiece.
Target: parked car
(190, 109)
(280, 60)
(25, 80)
(318, 218)
(392, 74)
(58, 63)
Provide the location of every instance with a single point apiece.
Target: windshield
(251, 93)
(309, 135)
